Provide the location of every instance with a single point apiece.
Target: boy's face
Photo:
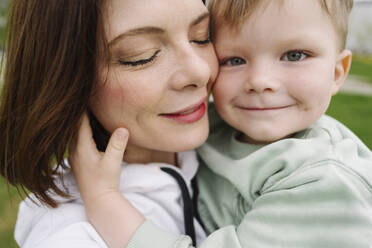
(278, 73)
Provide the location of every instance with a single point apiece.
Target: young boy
(276, 168)
(277, 172)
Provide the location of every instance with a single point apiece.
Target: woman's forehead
(168, 15)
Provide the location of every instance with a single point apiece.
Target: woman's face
(156, 81)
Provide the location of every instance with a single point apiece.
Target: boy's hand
(98, 177)
(97, 173)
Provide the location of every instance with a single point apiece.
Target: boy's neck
(246, 139)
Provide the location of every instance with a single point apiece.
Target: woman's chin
(189, 138)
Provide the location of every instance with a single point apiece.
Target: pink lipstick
(190, 114)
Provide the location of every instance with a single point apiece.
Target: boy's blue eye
(235, 61)
(294, 56)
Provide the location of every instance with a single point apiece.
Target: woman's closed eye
(202, 42)
(139, 62)
(294, 56)
(233, 61)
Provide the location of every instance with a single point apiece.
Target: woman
(261, 201)
(144, 66)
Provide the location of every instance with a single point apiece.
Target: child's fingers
(84, 145)
(116, 146)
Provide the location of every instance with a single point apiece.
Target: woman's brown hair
(50, 72)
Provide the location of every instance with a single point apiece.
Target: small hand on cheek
(98, 178)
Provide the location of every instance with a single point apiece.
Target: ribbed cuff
(149, 235)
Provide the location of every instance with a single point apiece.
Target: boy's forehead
(295, 10)
(300, 6)
(258, 8)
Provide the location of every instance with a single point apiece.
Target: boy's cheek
(223, 94)
(220, 88)
(229, 84)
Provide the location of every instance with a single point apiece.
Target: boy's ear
(341, 69)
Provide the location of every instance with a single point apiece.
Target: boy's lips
(189, 114)
(265, 108)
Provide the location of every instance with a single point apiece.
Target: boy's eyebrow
(136, 31)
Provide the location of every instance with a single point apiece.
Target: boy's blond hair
(235, 12)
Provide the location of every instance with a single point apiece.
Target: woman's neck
(144, 156)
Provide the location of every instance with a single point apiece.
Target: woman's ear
(341, 69)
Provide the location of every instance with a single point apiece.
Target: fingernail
(121, 133)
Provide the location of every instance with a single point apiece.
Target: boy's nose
(260, 79)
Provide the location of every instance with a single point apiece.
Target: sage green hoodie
(311, 190)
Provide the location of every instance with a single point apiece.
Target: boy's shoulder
(331, 129)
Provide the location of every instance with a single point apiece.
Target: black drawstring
(195, 191)
(188, 208)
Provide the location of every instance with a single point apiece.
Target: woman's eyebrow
(199, 19)
(134, 32)
(152, 30)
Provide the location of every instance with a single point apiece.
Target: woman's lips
(190, 114)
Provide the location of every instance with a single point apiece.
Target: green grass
(362, 66)
(354, 111)
(3, 15)
(9, 201)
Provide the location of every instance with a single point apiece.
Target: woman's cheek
(110, 96)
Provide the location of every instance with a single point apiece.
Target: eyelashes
(146, 61)
(295, 56)
(202, 42)
(233, 61)
(141, 61)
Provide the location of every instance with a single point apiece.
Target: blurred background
(352, 106)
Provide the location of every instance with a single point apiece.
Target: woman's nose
(192, 70)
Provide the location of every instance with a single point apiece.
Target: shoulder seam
(325, 162)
